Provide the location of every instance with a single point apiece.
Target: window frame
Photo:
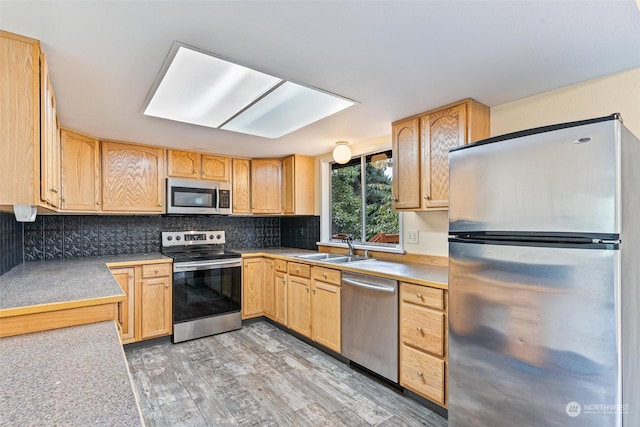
(325, 211)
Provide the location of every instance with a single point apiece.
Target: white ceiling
(397, 58)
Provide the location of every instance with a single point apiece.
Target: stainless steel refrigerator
(544, 278)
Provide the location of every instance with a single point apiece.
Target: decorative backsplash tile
(74, 236)
(11, 249)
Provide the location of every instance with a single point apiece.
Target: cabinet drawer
(423, 374)
(297, 269)
(156, 270)
(327, 275)
(422, 295)
(281, 265)
(423, 328)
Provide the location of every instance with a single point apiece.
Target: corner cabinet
(29, 130)
(298, 180)
(421, 145)
(132, 178)
(266, 186)
(423, 341)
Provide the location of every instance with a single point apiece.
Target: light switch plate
(413, 236)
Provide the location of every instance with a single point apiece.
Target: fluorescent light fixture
(288, 107)
(200, 88)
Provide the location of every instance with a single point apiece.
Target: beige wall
(617, 93)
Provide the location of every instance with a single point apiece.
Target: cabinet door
(132, 178)
(326, 315)
(19, 120)
(298, 181)
(299, 305)
(406, 168)
(183, 164)
(155, 307)
(215, 168)
(80, 164)
(266, 186)
(269, 289)
(440, 131)
(125, 278)
(252, 284)
(50, 189)
(241, 193)
(280, 298)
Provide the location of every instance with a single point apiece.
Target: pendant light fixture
(342, 152)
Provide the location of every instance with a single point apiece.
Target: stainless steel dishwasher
(369, 313)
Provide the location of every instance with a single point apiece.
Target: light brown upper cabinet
(421, 147)
(80, 165)
(241, 186)
(185, 164)
(132, 178)
(298, 178)
(266, 186)
(28, 126)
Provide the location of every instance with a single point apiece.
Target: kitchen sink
(334, 258)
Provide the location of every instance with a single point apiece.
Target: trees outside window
(361, 203)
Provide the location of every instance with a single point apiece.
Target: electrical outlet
(413, 236)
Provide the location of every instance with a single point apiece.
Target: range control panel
(185, 238)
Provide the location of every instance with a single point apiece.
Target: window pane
(382, 225)
(346, 199)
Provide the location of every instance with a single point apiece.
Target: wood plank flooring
(262, 376)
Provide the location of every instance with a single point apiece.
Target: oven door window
(206, 293)
(193, 197)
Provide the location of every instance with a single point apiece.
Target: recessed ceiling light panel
(288, 107)
(200, 88)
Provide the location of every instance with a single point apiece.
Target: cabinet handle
(284, 281)
(419, 296)
(420, 373)
(306, 288)
(314, 290)
(419, 328)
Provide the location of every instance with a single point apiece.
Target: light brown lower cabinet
(252, 287)
(269, 289)
(147, 312)
(423, 341)
(325, 295)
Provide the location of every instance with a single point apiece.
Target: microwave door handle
(218, 198)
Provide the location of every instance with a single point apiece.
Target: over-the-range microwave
(190, 196)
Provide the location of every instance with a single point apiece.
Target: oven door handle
(206, 265)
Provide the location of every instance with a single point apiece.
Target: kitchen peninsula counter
(69, 376)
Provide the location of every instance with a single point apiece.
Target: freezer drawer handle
(380, 288)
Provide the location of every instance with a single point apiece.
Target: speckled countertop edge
(69, 376)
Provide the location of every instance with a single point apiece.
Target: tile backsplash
(10, 242)
(74, 236)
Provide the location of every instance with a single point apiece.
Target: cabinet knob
(195, 171)
(284, 281)
(306, 288)
(419, 295)
(395, 199)
(419, 328)
(427, 197)
(131, 275)
(98, 203)
(166, 285)
(420, 373)
(156, 271)
(159, 205)
(204, 173)
(324, 275)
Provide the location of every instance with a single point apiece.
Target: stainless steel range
(207, 284)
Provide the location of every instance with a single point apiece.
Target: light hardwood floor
(262, 376)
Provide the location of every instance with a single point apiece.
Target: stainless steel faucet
(349, 240)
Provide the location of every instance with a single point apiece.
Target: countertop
(39, 283)
(423, 274)
(70, 376)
